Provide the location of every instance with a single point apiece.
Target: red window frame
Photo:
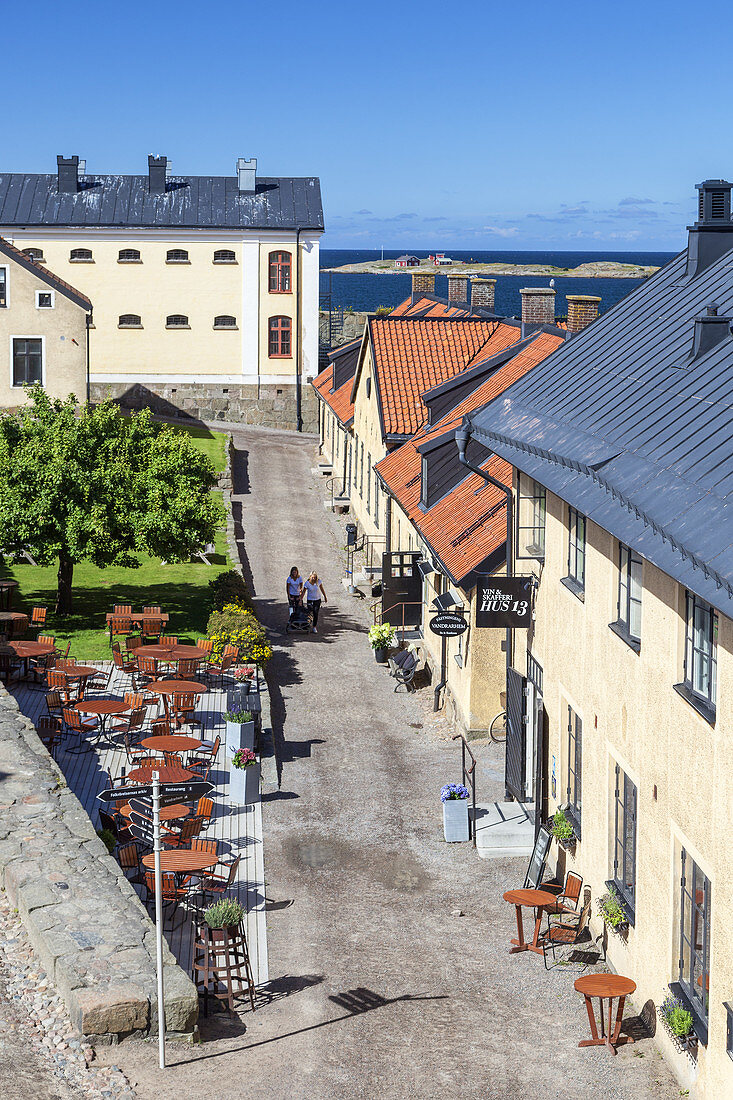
(280, 338)
(280, 272)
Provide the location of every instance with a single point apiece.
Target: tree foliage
(84, 483)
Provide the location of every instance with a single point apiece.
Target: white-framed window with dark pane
(574, 791)
(628, 603)
(27, 360)
(624, 842)
(700, 674)
(4, 280)
(694, 941)
(531, 510)
(45, 299)
(575, 579)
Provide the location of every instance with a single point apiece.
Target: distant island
(601, 269)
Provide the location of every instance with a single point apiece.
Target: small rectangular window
(628, 604)
(701, 655)
(531, 508)
(576, 551)
(27, 360)
(575, 769)
(44, 299)
(3, 287)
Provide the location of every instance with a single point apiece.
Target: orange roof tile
(426, 307)
(340, 400)
(413, 355)
(462, 529)
(43, 273)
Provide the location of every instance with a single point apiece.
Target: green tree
(83, 483)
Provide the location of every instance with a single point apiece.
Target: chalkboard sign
(448, 624)
(504, 602)
(536, 867)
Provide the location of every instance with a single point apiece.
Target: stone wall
(267, 406)
(84, 920)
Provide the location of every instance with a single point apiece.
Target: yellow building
(623, 462)
(44, 330)
(205, 287)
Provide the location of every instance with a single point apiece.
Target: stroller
(301, 619)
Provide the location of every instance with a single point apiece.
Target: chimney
(482, 294)
(710, 330)
(538, 306)
(422, 283)
(712, 234)
(582, 309)
(68, 175)
(458, 288)
(247, 175)
(157, 174)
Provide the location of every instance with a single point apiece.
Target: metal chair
(118, 624)
(128, 857)
(128, 667)
(145, 672)
(208, 751)
(50, 730)
(569, 895)
(217, 885)
(178, 838)
(182, 707)
(565, 933)
(218, 669)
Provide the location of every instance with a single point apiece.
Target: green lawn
(181, 590)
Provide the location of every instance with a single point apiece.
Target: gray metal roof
(213, 202)
(624, 426)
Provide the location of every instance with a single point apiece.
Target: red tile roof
(340, 400)
(413, 355)
(426, 307)
(462, 529)
(76, 296)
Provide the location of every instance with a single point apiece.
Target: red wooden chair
(566, 901)
(566, 932)
(188, 669)
(38, 617)
(217, 885)
(204, 810)
(182, 707)
(50, 730)
(202, 844)
(151, 611)
(146, 671)
(127, 667)
(172, 892)
(217, 670)
(54, 703)
(118, 624)
(128, 857)
(178, 838)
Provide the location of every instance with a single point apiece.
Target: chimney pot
(68, 175)
(458, 288)
(582, 309)
(422, 283)
(247, 175)
(710, 330)
(538, 305)
(482, 294)
(711, 235)
(157, 173)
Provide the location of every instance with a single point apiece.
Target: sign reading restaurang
(504, 602)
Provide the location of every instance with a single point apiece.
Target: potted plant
(244, 778)
(224, 914)
(240, 730)
(562, 829)
(678, 1021)
(454, 797)
(611, 912)
(381, 639)
(245, 678)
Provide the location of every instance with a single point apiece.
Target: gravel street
(389, 950)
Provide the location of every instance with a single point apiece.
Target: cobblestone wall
(83, 918)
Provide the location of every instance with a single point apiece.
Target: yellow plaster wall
(368, 431)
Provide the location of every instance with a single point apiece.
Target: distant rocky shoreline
(602, 269)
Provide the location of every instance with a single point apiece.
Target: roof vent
(247, 175)
(712, 234)
(710, 331)
(157, 174)
(68, 175)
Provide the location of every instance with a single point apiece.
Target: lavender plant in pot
(454, 797)
(244, 778)
(240, 731)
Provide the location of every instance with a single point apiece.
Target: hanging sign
(448, 624)
(504, 602)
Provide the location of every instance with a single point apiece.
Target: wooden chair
(190, 828)
(50, 730)
(172, 758)
(100, 680)
(66, 651)
(66, 662)
(136, 754)
(569, 895)
(54, 703)
(566, 932)
(204, 810)
(122, 609)
(151, 611)
(38, 617)
(128, 667)
(208, 752)
(146, 671)
(47, 639)
(207, 644)
(161, 727)
(217, 885)
(128, 857)
(57, 680)
(75, 723)
(169, 640)
(119, 625)
(217, 670)
(202, 844)
(182, 707)
(130, 725)
(135, 700)
(171, 893)
(132, 642)
(188, 669)
(200, 769)
(40, 665)
(151, 630)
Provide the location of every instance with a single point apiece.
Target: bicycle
(497, 729)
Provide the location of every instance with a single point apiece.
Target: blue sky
(508, 126)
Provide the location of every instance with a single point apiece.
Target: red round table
(182, 861)
(167, 813)
(7, 588)
(537, 899)
(171, 652)
(167, 773)
(605, 987)
(167, 688)
(13, 622)
(26, 650)
(103, 708)
(171, 743)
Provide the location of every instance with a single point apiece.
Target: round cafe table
(171, 743)
(167, 813)
(26, 650)
(181, 861)
(536, 899)
(13, 622)
(605, 987)
(167, 688)
(167, 773)
(7, 587)
(171, 652)
(103, 708)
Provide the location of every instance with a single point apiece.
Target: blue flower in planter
(452, 791)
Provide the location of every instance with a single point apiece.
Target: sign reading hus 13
(504, 601)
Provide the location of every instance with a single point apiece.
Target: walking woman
(294, 587)
(313, 589)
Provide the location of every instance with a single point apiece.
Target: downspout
(346, 454)
(388, 525)
(89, 322)
(299, 358)
(443, 673)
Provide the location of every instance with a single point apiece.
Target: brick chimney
(458, 288)
(423, 283)
(157, 174)
(538, 305)
(68, 175)
(482, 294)
(582, 309)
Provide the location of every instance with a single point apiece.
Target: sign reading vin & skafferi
(504, 601)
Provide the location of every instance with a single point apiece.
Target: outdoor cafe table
(605, 987)
(167, 813)
(138, 616)
(26, 650)
(536, 899)
(171, 743)
(182, 861)
(103, 708)
(171, 652)
(13, 622)
(175, 687)
(167, 773)
(6, 594)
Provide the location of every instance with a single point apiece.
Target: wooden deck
(237, 828)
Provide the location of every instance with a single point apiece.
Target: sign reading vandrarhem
(504, 601)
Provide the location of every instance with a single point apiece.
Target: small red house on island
(407, 261)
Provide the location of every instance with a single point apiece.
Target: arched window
(129, 320)
(35, 254)
(279, 332)
(280, 272)
(176, 320)
(225, 320)
(176, 256)
(81, 256)
(224, 256)
(128, 256)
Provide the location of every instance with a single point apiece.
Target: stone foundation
(265, 405)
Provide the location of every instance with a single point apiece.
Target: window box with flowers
(679, 1024)
(563, 831)
(244, 778)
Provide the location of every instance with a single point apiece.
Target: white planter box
(239, 736)
(244, 785)
(455, 819)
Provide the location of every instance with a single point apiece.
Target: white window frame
(53, 299)
(25, 336)
(6, 269)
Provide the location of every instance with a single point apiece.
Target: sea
(368, 292)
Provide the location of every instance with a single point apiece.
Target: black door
(401, 589)
(516, 735)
